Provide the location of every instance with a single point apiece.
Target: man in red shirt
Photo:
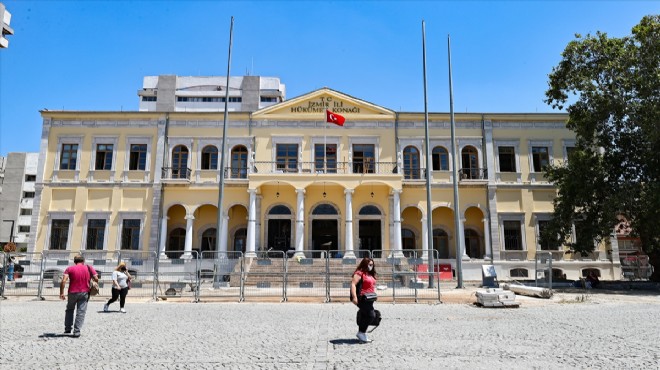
(79, 274)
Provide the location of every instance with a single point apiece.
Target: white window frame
(129, 215)
(375, 141)
(92, 163)
(59, 215)
(275, 140)
(96, 216)
(330, 140)
(68, 140)
(130, 140)
(445, 144)
(520, 217)
(539, 143)
(516, 148)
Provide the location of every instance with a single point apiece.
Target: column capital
(300, 191)
(164, 218)
(396, 191)
(349, 191)
(189, 217)
(252, 191)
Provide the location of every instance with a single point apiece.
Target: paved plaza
(607, 331)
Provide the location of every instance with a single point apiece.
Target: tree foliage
(610, 88)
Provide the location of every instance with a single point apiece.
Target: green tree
(610, 88)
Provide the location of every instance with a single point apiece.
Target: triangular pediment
(312, 106)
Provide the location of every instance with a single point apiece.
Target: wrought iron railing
(473, 174)
(172, 173)
(330, 167)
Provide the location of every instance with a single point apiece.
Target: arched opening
(239, 162)
(209, 241)
(408, 239)
(279, 228)
(441, 243)
(325, 228)
(470, 163)
(240, 240)
(210, 157)
(473, 244)
(369, 228)
(180, 162)
(411, 163)
(440, 159)
(176, 243)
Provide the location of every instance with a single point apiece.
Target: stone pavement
(569, 331)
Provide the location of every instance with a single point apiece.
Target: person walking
(120, 279)
(364, 277)
(79, 276)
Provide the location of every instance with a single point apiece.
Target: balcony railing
(236, 172)
(342, 168)
(473, 174)
(171, 173)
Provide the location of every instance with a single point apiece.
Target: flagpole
(429, 206)
(454, 163)
(221, 187)
(325, 145)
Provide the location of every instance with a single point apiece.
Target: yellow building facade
(149, 181)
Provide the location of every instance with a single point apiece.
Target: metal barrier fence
(306, 274)
(178, 277)
(220, 274)
(104, 262)
(340, 273)
(143, 268)
(265, 275)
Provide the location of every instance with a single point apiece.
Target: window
(512, 236)
(180, 162)
(30, 178)
(239, 163)
(411, 163)
(26, 211)
(208, 241)
(210, 158)
(138, 157)
(470, 163)
(24, 229)
(440, 159)
(569, 152)
(407, 239)
(325, 157)
(148, 98)
(233, 99)
(507, 155)
(176, 243)
(240, 240)
(59, 234)
(104, 156)
(28, 194)
(441, 243)
(369, 211)
(543, 225)
(540, 158)
(324, 209)
(287, 157)
(363, 158)
(130, 234)
(518, 273)
(95, 234)
(268, 99)
(69, 156)
(280, 210)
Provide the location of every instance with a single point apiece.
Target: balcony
(468, 174)
(341, 168)
(172, 173)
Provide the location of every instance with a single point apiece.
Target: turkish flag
(334, 118)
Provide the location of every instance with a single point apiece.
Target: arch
(441, 242)
(585, 272)
(279, 228)
(209, 242)
(325, 209)
(176, 242)
(210, 157)
(408, 239)
(440, 158)
(239, 162)
(280, 209)
(469, 163)
(180, 162)
(370, 210)
(411, 163)
(473, 245)
(239, 240)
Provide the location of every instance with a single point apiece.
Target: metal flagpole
(221, 169)
(454, 162)
(429, 206)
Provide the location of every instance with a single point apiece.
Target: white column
(222, 243)
(252, 223)
(397, 223)
(487, 238)
(190, 219)
(461, 234)
(163, 237)
(425, 238)
(349, 251)
(300, 221)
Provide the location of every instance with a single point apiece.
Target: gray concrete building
(170, 93)
(5, 19)
(18, 175)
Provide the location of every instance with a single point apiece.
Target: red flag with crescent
(335, 118)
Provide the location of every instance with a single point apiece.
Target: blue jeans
(77, 302)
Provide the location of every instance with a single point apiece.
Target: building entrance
(324, 235)
(370, 235)
(279, 235)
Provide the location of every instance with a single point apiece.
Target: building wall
(16, 200)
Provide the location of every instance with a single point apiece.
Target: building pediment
(312, 106)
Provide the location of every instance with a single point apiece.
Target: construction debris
(496, 297)
(530, 291)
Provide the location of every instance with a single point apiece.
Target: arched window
(469, 163)
(240, 238)
(209, 241)
(518, 273)
(407, 239)
(441, 243)
(176, 243)
(280, 210)
(239, 162)
(411, 163)
(440, 159)
(210, 158)
(324, 209)
(180, 162)
(369, 211)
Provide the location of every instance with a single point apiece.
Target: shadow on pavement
(345, 341)
(55, 335)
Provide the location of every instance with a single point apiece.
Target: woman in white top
(120, 278)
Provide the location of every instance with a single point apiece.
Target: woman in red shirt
(366, 271)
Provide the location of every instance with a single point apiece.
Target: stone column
(252, 223)
(163, 237)
(487, 238)
(425, 238)
(222, 243)
(190, 219)
(461, 234)
(349, 251)
(397, 223)
(300, 221)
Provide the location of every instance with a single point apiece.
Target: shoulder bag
(93, 284)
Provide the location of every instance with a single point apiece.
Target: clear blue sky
(93, 55)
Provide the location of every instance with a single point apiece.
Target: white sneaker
(122, 310)
(362, 337)
(105, 307)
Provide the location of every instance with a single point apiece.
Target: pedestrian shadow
(55, 335)
(108, 311)
(345, 341)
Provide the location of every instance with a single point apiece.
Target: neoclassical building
(149, 181)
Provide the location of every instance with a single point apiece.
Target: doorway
(279, 234)
(370, 235)
(324, 235)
